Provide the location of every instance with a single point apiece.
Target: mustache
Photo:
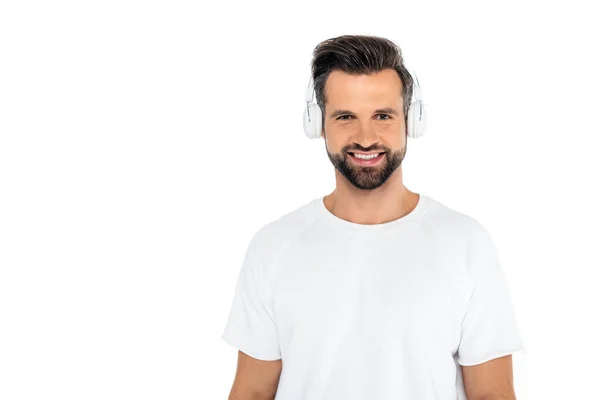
(350, 149)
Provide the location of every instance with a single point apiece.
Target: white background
(143, 143)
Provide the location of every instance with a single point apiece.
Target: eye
(342, 117)
(385, 115)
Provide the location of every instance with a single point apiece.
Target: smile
(366, 159)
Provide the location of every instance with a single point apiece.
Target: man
(372, 292)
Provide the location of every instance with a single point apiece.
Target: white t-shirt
(385, 311)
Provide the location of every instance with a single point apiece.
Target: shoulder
(453, 227)
(271, 238)
(463, 239)
(449, 221)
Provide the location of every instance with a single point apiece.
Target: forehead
(343, 89)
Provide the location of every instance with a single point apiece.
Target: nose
(367, 136)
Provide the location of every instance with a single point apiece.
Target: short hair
(359, 55)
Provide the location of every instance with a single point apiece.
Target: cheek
(342, 130)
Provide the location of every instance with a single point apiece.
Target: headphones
(416, 118)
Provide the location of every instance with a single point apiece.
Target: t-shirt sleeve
(251, 327)
(489, 329)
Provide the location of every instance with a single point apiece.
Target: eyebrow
(386, 110)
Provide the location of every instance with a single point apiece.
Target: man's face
(364, 118)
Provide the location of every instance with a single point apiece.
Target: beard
(366, 177)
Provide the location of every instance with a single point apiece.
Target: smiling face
(365, 132)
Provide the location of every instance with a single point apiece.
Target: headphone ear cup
(416, 120)
(306, 122)
(312, 125)
(410, 121)
(422, 124)
(318, 120)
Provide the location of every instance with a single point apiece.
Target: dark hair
(358, 54)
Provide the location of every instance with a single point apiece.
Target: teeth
(365, 156)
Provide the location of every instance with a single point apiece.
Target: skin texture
(491, 380)
(255, 379)
(368, 195)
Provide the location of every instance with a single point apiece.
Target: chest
(369, 292)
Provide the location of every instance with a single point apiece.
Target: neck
(389, 202)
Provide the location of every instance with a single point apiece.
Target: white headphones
(416, 120)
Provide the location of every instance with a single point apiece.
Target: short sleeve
(489, 329)
(250, 327)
